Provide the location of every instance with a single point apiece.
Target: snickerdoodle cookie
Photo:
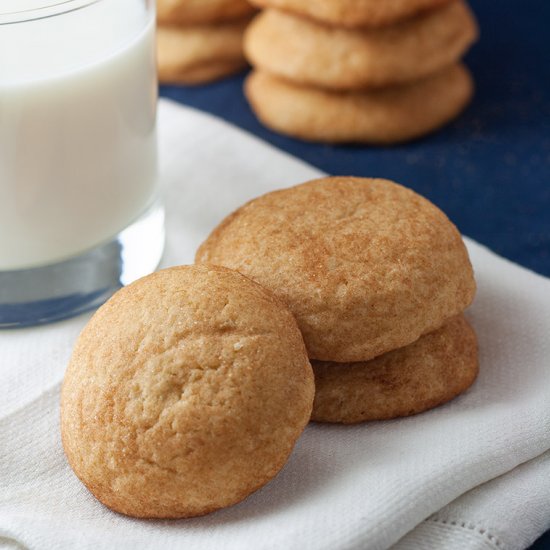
(431, 371)
(306, 52)
(380, 116)
(353, 13)
(185, 392)
(188, 12)
(365, 265)
(200, 53)
(209, 72)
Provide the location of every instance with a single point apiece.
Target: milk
(77, 129)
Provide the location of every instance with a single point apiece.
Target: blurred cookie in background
(199, 41)
(307, 52)
(353, 13)
(195, 54)
(381, 116)
(188, 12)
(395, 78)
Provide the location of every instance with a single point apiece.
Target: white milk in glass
(77, 129)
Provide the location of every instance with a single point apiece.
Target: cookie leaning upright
(365, 265)
(185, 392)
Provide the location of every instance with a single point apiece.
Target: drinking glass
(79, 205)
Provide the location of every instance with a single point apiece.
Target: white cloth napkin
(505, 513)
(358, 487)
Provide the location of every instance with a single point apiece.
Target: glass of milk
(79, 207)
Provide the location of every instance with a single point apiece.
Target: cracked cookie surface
(365, 265)
(185, 392)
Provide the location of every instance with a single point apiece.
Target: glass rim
(50, 8)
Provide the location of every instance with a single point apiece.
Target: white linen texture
(417, 483)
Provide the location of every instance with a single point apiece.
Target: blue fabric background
(489, 170)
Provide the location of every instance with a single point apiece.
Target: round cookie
(209, 72)
(431, 371)
(200, 53)
(185, 393)
(353, 13)
(382, 116)
(190, 12)
(365, 265)
(306, 52)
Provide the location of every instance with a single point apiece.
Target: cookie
(190, 12)
(365, 265)
(200, 53)
(380, 117)
(185, 393)
(353, 13)
(431, 371)
(306, 52)
(208, 72)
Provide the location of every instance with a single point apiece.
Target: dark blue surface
(490, 170)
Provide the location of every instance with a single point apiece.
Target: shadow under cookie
(431, 371)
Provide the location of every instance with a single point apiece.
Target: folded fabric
(363, 486)
(509, 512)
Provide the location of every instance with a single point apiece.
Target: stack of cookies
(199, 41)
(366, 71)
(185, 393)
(188, 389)
(377, 278)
